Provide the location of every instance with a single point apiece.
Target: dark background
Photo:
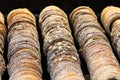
(35, 6)
(67, 5)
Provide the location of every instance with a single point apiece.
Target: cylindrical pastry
(94, 45)
(109, 15)
(23, 46)
(110, 18)
(62, 57)
(2, 41)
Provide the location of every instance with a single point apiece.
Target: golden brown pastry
(2, 41)
(20, 15)
(62, 57)
(110, 18)
(109, 15)
(97, 52)
(23, 46)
